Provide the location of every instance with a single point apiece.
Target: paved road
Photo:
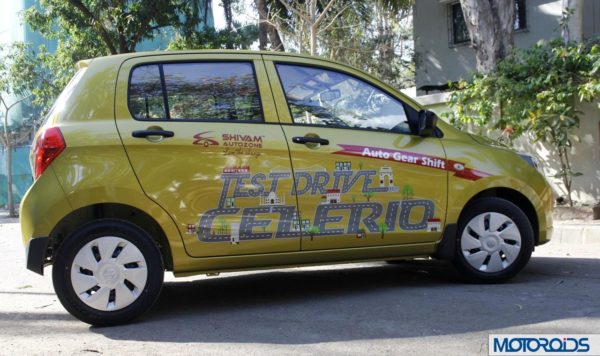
(370, 308)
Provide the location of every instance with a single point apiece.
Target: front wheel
(108, 272)
(495, 240)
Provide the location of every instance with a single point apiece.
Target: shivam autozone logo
(544, 344)
(229, 140)
(201, 139)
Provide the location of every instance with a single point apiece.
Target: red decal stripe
(458, 168)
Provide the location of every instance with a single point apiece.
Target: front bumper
(36, 254)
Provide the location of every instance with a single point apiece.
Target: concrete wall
(585, 157)
(438, 61)
(585, 154)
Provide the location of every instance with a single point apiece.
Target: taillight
(49, 144)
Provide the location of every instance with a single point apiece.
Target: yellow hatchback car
(213, 161)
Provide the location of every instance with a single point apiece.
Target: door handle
(307, 139)
(147, 133)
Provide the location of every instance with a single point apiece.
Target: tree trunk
(266, 31)
(263, 31)
(313, 27)
(572, 29)
(9, 192)
(276, 42)
(228, 14)
(491, 27)
(313, 41)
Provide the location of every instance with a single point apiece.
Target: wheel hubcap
(490, 242)
(109, 273)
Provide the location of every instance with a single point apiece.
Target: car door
(203, 138)
(362, 177)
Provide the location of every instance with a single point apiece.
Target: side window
(146, 99)
(197, 91)
(318, 96)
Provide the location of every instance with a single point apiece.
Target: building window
(458, 27)
(520, 18)
(460, 33)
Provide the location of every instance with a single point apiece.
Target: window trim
(165, 96)
(411, 113)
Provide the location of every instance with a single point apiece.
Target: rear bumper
(36, 254)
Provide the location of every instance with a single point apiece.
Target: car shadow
(370, 301)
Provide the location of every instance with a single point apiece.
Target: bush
(533, 91)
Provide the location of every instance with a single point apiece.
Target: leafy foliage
(376, 38)
(91, 28)
(18, 81)
(533, 91)
(241, 37)
(373, 35)
(111, 26)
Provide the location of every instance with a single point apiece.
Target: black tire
(485, 208)
(108, 228)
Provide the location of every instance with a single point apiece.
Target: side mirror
(427, 123)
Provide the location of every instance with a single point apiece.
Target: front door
(362, 178)
(207, 149)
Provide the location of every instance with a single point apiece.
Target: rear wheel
(108, 272)
(495, 240)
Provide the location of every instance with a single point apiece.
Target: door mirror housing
(427, 122)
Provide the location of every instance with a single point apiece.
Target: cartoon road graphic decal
(271, 215)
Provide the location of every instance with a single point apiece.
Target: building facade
(442, 45)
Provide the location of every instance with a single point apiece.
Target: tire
(105, 291)
(495, 241)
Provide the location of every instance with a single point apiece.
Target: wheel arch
(514, 197)
(447, 243)
(128, 213)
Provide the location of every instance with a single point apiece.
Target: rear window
(215, 91)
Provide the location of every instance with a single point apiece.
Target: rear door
(204, 140)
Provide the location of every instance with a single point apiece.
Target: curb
(585, 233)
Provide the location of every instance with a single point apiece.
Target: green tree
(102, 27)
(382, 228)
(407, 191)
(534, 91)
(90, 28)
(14, 89)
(208, 38)
(375, 36)
(368, 195)
(313, 230)
(267, 32)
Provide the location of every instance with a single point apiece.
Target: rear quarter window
(203, 91)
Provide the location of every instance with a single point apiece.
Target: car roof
(125, 56)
